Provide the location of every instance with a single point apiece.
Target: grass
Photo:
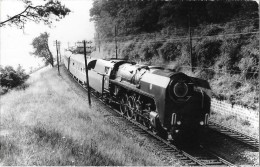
(48, 124)
(242, 125)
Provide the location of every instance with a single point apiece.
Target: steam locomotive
(168, 102)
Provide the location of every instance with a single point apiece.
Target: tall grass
(242, 125)
(49, 124)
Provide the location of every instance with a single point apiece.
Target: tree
(11, 78)
(41, 48)
(37, 13)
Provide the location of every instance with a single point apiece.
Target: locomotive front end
(187, 105)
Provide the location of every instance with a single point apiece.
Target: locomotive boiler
(170, 103)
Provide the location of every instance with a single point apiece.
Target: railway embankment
(49, 124)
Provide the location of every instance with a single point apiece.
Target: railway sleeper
(214, 163)
(192, 164)
(184, 159)
(233, 135)
(188, 161)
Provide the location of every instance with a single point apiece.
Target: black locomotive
(168, 102)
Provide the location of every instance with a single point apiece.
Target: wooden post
(57, 57)
(98, 43)
(69, 64)
(86, 70)
(258, 57)
(103, 85)
(59, 52)
(116, 40)
(191, 61)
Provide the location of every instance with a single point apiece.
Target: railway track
(232, 133)
(199, 157)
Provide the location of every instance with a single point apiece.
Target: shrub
(11, 78)
(149, 50)
(231, 117)
(171, 50)
(3, 90)
(248, 64)
(231, 53)
(245, 123)
(212, 30)
(207, 51)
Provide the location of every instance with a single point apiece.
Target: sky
(15, 43)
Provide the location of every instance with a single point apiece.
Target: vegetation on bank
(225, 43)
(41, 48)
(49, 124)
(11, 78)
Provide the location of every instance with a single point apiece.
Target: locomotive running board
(133, 88)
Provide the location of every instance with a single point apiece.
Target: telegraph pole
(86, 70)
(116, 39)
(98, 43)
(59, 51)
(191, 62)
(259, 58)
(57, 57)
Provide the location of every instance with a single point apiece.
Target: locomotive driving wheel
(138, 109)
(132, 108)
(123, 105)
(129, 113)
(145, 119)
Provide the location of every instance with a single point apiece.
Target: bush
(3, 90)
(171, 50)
(11, 78)
(212, 30)
(248, 64)
(128, 51)
(207, 51)
(231, 53)
(149, 50)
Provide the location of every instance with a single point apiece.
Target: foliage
(170, 50)
(149, 50)
(206, 51)
(11, 78)
(37, 13)
(41, 48)
(224, 51)
(133, 17)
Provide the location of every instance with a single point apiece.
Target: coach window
(106, 70)
(92, 64)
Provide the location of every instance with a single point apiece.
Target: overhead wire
(182, 29)
(180, 38)
(218, 70)
(186, 37)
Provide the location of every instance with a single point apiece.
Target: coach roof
(80, 58)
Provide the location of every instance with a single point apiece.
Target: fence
(241, 112)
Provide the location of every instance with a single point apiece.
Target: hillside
(51, 124)
(225, 43)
